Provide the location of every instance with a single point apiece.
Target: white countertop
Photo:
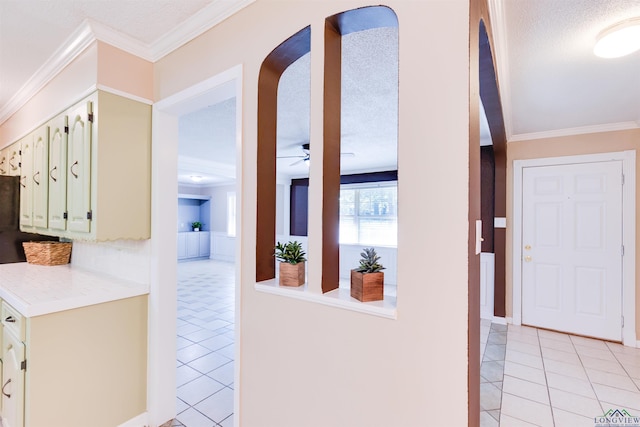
(35, 290)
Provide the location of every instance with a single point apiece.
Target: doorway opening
(204, 315)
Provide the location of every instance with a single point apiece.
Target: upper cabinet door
(26, 184)
(57, 175)
(40, 183)
(79, 168)
(4, 165)
(13, 160)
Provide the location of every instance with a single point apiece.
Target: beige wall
(305, 364)
(122, 71)
(567, 146)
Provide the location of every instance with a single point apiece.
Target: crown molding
(75, 44)
(197, 24)
(500, 54)
(608, 127)
(91, 31)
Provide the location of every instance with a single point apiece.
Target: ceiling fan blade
(298, 161)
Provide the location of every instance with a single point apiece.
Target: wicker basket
(47, 253)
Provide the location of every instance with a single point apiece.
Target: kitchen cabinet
(10, 160)
(93, 356)
(57, 177)
(98, 171)
(194, 244)
(4, 165)
(26, 186)
(34, 184)
(182, 245)
(13, 367)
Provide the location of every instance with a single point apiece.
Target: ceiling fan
(306, 156)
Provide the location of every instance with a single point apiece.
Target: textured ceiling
(552, 81)
(32, 30)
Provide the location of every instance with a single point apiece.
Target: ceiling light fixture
(618, 40)
(196, 178)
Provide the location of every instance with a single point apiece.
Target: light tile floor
(206, 350)
(535, 377)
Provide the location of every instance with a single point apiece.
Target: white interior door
(572, 248)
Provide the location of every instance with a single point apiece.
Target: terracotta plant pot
(367, 286)
(291, 274)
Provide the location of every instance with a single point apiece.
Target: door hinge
(65, 215)
(622, 321)
(622, 179)
(89, 215)
(90, 117)
(23, 365)
(622, 250)
(66, 129)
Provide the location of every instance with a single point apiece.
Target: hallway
(536, 377)
(206, 350)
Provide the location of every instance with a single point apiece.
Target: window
(231, 214)
(369, 214)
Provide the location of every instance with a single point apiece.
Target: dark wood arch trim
(335, 27)
(270, 72)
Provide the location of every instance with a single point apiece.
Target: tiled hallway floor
(205, 357)
(535, 377)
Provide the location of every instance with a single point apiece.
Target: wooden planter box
(291, 274)
(367, 286)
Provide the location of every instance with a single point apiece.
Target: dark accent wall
(299, 207)
(487, 194)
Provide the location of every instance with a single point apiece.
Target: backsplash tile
(124, 259)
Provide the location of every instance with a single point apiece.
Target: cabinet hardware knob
(527, 247)
(71, 169)
(3, 387)
(527, 259)
(51, 174)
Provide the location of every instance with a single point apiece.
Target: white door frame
(628, 159)
(161, 384)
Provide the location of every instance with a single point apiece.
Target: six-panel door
(572, 248)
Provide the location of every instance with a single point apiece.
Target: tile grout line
(587, 373)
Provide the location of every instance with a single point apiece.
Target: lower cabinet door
(12, 381)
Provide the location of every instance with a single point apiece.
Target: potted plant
(196, 225)
(291, 257)
(367, 281)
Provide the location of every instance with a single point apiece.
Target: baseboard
(226, 258)
(141, 420)
(499, 320)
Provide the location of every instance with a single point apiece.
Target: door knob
(527, 247)
(527, 258)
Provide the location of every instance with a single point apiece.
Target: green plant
(290, 252)
(369, 261)
(196, 224)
